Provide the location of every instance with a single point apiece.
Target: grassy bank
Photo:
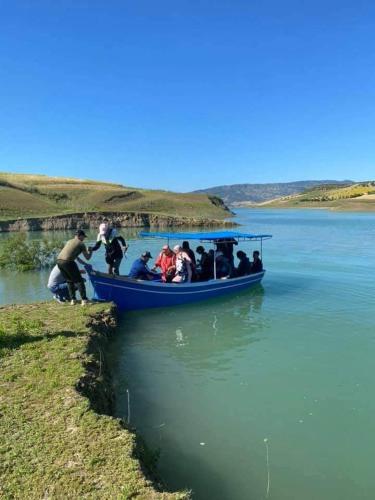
(53, 385)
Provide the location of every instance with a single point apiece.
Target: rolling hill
(356, 197)
(24, 196)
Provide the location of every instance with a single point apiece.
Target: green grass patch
(53, 444)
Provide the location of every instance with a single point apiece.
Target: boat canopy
(211, 236)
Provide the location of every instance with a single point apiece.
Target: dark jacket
(191, 254)
(113, 248)
(256, 267)
(244, 267)
(206, 267)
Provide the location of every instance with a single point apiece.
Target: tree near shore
(18, 253)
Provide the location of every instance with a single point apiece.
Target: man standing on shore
(69, 269)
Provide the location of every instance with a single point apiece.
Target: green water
(290, 362)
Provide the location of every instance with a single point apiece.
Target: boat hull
(129, 294)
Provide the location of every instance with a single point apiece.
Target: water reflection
(204, 336)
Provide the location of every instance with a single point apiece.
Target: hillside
(357, 197)
(236, 194)
(24, 196)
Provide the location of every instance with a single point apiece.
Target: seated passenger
(183, 266)
(140, 269)
(256, 265)
(244, 266)
(205, 269)
(223, 267)
(166, 261)
(225, 245)
(186, 248)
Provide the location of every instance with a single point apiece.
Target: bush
(20, 254)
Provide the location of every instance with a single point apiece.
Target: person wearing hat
(113, 252)
(140, 269)
(166, 261)
(69, 269)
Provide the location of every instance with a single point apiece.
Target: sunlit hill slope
(24, 195)
(356, 197)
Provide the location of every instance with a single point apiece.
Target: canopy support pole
(214, 260)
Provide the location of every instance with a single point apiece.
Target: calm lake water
(264, 394)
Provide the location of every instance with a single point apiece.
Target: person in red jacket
(166, 261)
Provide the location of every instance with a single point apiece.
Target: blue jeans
(61, 291)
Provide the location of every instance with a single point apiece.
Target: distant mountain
(257, 193)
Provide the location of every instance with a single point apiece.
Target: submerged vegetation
(18, 253)
(53, 383)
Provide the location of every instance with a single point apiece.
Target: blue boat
(132, 294)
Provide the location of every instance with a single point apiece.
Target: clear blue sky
(187, 94)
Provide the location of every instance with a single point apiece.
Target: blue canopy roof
(210, 236)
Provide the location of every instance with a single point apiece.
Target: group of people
(66, 277)
(179, 265)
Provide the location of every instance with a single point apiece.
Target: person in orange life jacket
(113, 252)
(166, 261)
